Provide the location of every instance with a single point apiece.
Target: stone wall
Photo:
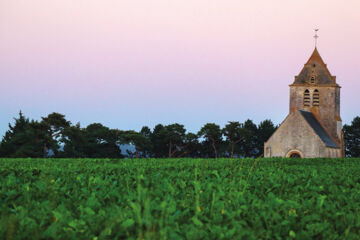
(328, 111)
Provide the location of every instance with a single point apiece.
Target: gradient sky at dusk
(130, 63)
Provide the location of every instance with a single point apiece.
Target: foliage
(250, 143)
(140, 141)
(175, 136)
(25, 139)
(264, 131)
(54, 136)
(212, 134)
(180, 199)
(234, 133)
(74, 142)
(192, 146)
(159, 141)
(352, 138)
(55, 126)
(101, 142)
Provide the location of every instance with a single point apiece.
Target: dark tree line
(54, 136)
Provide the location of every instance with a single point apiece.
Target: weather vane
(316, 36)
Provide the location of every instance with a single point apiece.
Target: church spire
(315, 57)
(315, 71)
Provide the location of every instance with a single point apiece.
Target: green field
(180, 199)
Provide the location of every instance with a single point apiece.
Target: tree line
(54, 136)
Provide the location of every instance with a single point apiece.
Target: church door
(295, 155)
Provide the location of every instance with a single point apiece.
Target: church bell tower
(315, 90)
(313, 127)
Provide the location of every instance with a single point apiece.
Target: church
(313, 127)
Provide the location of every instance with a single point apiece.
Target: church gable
(295, 134)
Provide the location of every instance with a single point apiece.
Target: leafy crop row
(180, 199)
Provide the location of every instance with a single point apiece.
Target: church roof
(319, 130)
(315, 67)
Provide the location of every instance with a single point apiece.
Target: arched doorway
(294, 154)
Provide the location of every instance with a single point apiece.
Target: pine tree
(24, 139)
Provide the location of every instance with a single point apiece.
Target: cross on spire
(316, 36)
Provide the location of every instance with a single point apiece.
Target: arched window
(307, 98)
(316, 98)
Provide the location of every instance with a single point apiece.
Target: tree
(175, 135)
(352, 138)
(158, 140)
(248, 148)
(54, 134)
(265, 129)
(192, 147)
(233, 133)
(136, 139)
(56, 125)
(213, 138)
(146, 132)
(74, 141)
(101, 142)
(24, 139)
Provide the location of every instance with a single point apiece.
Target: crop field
(180, 199)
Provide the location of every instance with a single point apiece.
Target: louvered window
(316, 98)
(306, 98)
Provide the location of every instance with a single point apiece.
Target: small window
(307, 98)
(312, 79)
(316, 98)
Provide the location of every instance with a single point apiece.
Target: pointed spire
(315, 71)
(315, 57)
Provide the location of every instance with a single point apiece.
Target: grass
(179, 198)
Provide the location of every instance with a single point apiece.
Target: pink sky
(130, 63)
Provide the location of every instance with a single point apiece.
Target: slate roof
(319, 130)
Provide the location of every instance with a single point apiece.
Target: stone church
(313, 127)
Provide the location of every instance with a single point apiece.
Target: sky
(131, 63)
